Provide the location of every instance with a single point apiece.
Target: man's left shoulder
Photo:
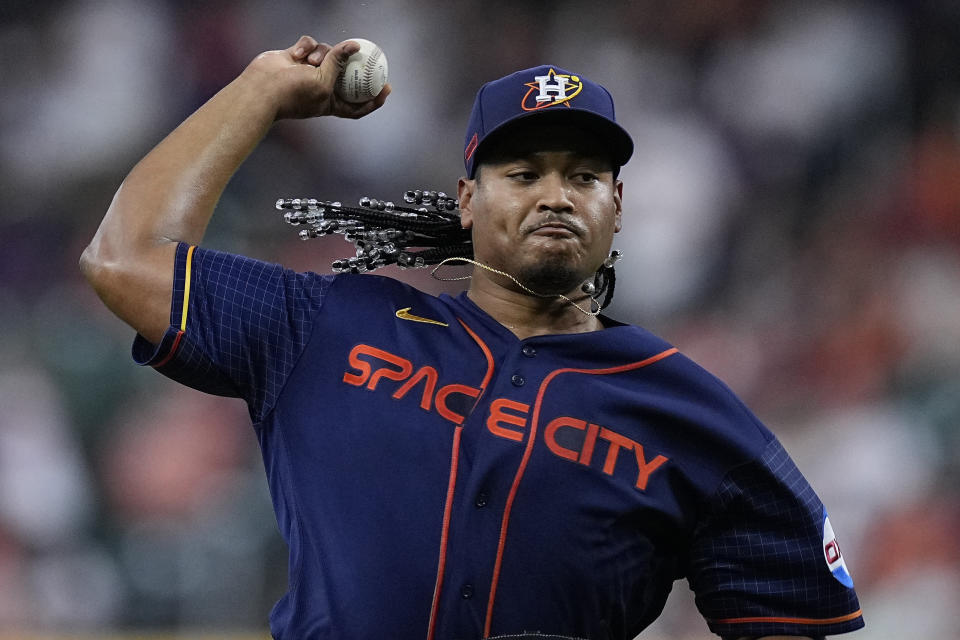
(688, 392)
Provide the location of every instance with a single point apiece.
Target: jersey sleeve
(237, 325)
(764, 560)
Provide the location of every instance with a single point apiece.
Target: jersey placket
(491, 452)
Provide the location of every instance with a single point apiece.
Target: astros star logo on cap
(527, 95)
(551, 89)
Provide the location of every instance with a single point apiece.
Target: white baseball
(365, 73)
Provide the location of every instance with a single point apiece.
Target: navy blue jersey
(436, 477)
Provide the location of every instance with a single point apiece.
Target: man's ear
(618, 202)
(465, 190)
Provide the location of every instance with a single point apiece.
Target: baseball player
(504, 463)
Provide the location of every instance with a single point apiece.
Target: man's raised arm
(170, 195)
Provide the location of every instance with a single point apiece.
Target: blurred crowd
(792, 222)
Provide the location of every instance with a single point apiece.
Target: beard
(551, 276)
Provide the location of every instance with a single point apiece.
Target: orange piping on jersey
(186, 288)
(448, 505)
(486, 353)
(526, 457)
(440, 401)
(849, 616)
(183, 312)
(173, 350)
(452, 485)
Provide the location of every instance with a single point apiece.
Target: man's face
(543, 207)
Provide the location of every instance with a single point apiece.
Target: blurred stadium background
(792, 221)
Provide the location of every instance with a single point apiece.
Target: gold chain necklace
(433, 273)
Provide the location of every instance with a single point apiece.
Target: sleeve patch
(832, 555)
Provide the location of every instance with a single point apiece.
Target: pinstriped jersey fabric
(391, 469)
(761, 546)
(247, 324)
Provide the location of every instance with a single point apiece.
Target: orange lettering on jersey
(427, 373)
(616, 442)
(405, 368)
(585, 455)
(506, 419)
(549, 434)
(441, 400)
(646, 468)
(498, 416)
(400, 371)
(357, 363)
(591, 438)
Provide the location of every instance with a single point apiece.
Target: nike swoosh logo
(404, 314)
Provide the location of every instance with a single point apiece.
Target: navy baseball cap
(567, 97)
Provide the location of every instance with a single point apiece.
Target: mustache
(568, 222)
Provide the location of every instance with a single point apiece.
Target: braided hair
(424, 231)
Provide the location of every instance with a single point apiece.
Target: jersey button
(482, 498)
(529, 351)
(466, 591)
(517, 380)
